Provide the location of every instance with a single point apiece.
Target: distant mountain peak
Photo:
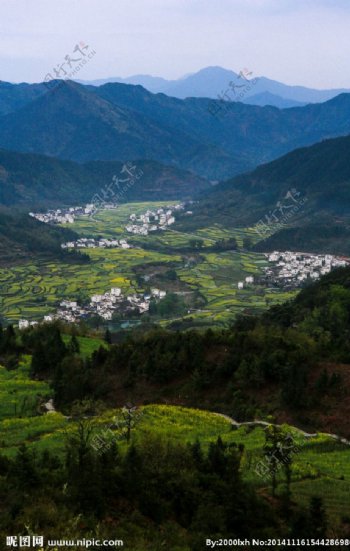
(211, 81)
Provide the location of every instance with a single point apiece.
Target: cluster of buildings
(24, 324)
(292, 269)
(100, 305)
(153, 220)
(63, 215)
(105, 306)
(91, 243)
(68, 215)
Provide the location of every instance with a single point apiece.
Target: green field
(18, 393)
(32, 290)
(87, 345)
(21, 396)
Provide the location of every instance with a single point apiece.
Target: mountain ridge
(34, 180)
(319, 175)
(123, 122)
(211, 81)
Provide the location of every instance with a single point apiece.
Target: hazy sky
(294, 41)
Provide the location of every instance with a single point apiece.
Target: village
(91, 243)
(68, 215)
(104, 306)
(287, 270)
(154, 220)
(291, 270)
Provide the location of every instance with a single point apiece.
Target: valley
(174, 280)
(190, 266)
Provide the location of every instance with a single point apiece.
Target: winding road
(259, 423)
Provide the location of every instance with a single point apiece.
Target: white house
(48, 318)
(116, 291)
(155, 293)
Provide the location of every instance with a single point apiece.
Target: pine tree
(74, 346)
(317, 517)
(38, 364)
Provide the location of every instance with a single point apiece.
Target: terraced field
(33, 289)
(110, 223)
(217, 278)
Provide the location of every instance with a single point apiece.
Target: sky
(304, 42)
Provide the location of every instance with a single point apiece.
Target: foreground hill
(28, 179)
(122, 122)
(320, 179)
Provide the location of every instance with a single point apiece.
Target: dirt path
(257, 423)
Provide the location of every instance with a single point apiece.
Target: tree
(9, 339)
(317, 517)
(72, 380)
(287, 458)
(129, 417)
(74, 346)
(24, 469)
(48, 350)
(295, 384)
(279, 448)
(82, 414)
(83, 473)
(271, 449)
(38, 363)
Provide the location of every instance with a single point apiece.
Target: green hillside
(23, 238)
(37, 180)
(301, 201)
